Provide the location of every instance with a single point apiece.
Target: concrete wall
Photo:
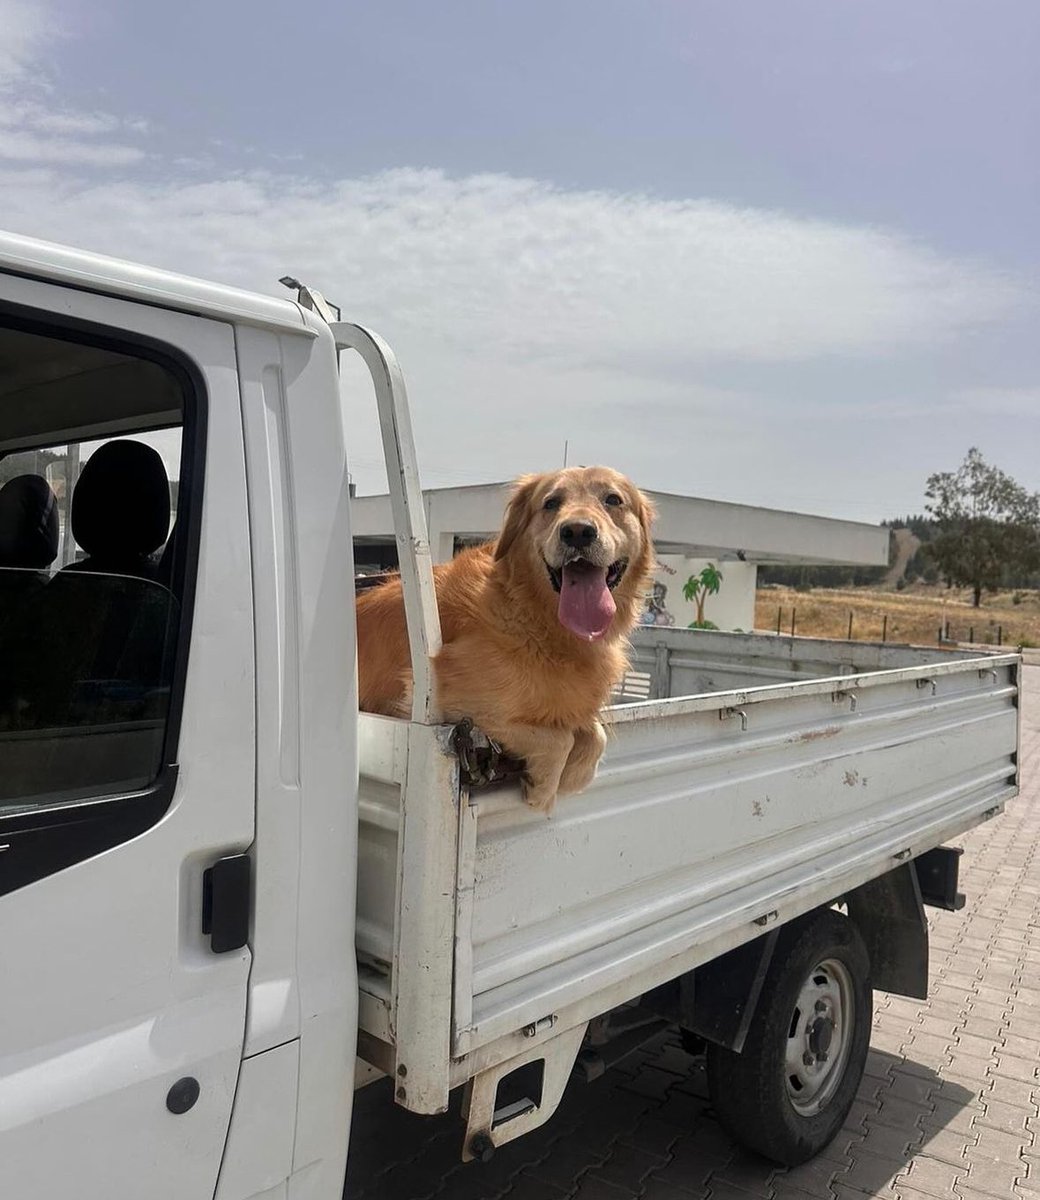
(732, 608)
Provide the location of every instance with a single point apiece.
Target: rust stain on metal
(814, 735)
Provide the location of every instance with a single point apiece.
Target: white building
(688, 533)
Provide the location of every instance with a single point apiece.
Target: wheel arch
(717, 1001)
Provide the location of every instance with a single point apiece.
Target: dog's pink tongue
(586, 605)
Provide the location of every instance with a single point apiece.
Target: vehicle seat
(164, 560)
(98, 645)
(121, 510)
(28, 524)
(28, 541)
(28, 546)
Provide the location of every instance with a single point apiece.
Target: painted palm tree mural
(698, 588)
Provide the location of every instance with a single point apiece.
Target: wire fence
(864, 631)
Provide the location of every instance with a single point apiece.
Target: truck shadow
(903, 1111)
(647, 1127)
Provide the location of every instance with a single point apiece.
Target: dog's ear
(646, 513)
(518, 513)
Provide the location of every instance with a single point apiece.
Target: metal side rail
(406, 502)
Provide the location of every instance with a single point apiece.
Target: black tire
(763, 1097)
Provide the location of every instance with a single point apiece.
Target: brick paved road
(949, 1106)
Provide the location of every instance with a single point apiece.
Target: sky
(784, 254)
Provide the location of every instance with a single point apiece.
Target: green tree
(698, 588)
(988, 525)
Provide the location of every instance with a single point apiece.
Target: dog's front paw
(541, 799)
(577, 776)
(583, 762)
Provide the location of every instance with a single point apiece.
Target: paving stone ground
(949, 1107)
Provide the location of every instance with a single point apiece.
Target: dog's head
(583, 536)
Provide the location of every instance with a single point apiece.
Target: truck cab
(176, 689)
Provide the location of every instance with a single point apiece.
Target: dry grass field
(914, 615)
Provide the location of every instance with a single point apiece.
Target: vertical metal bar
(884, 628)
(68, 547)
(462, 1005)
(779, 617)
(425, 921)
(850, 625)
(661, 676)
(794, 613)
(1015, 674)
(406, 502)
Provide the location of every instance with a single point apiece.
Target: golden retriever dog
(535, 625)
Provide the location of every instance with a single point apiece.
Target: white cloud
(31, 114)
(35, 132)
(503, 269)
(525, 315)
(24, 29)
(517, 270)
(26, 146)
(33, 128)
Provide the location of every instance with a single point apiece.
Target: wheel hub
(821, 1034)
(819, 1037)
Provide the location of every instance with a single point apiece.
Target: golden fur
(507, 662)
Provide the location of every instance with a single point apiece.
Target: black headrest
(28, 523)
(121, 505)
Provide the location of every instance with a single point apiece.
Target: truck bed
(748, 779)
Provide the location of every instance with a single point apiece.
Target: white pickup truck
(219, 882)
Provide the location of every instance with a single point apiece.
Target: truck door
(126, 745)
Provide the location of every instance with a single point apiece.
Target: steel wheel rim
(819, 1037)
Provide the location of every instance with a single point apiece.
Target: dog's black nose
(578, 535)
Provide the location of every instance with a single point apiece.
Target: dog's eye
(552, 504)
(613, 499)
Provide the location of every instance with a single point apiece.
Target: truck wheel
(788, 1092)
